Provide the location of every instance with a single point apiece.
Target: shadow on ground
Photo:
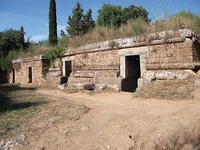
(10, 101)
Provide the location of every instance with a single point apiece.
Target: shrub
(183, 19)
(55, 53)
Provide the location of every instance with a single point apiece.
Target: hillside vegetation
(139, 27)
(122, 25)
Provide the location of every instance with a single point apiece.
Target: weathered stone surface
(99, 87)
(184, 74)
(161, 66)
(29, 70)
(84, 86)
(164, 75)
(54, 69)
(143, 81)
(84, 74)
(55, 73)
(197, 82)
(79, 86)
(110, 80)
(62, 87)
(72, 80)
(168, 75)
(115, 87)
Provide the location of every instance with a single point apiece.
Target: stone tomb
(133, 62)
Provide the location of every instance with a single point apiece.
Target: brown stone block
(109, 80)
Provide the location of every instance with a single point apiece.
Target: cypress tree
(53, 39)
(22, 40)
(76, 21)
(79, 23)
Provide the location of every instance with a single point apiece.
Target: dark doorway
(30, 75)
(3, 76)
(129, 84)
(68, 70)
(13, 72)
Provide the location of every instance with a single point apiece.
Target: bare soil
(115, 121)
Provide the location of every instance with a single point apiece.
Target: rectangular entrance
(30, 75)
(13, 73)
(67, 71)
(133, 73)
(68, 68)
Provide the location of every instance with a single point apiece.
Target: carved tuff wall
(164, 55)
(29, 70)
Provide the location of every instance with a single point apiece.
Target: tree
(89, 24)
(79, 23)
(22, 40)
(114, 16)
(109, 16)
(11, 41)
(53, 39)
(134, 12)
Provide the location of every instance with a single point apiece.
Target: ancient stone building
(29, 70)
(125, 64)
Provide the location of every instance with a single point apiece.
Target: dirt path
(117, 121)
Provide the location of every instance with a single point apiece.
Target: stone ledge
(28, 59)
(191, 65)
(86, 74)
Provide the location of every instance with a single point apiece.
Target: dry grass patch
(167, 89)
(24, 110)
(140, 28)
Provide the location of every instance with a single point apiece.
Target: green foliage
(109, 16)
(11, 44)
(89, 24)
(113, 44)
(134, 12)
(11, 40)
(53, 40)
(55, 53)
(5, 62)
(79, 23)
(63, 40)
(113, 16)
